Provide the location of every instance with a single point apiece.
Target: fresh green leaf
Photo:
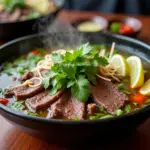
(102, 109)
(96, 116)
(69, 70)
(12, 4)
(33, 15)
(127, 108)
(118, 112)
(57, 57)
(17, 105)
(91, 78)
(31, 113)
(46, 82)
(123, 89)
(21, 71)
(70, 83)
(81, 89)
(106, 116)
(51, 74)
(69, 57)
(93, 117)
(147, 101)
(86, 48)
(115, 27)
(53, 91)
(55, 68)
(100, 61)
(100, 116)
(76, 119)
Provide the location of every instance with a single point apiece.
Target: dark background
(111, 6)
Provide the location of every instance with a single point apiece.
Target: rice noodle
(39, 73)
(110, 71)
(35, 78)
(107, 79)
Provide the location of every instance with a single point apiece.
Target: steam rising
(60, 36)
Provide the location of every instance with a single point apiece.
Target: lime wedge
(120, 63)
(136, 71)
(89, 26)
(145, 89)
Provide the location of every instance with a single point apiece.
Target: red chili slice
(126, 29)
(3, 101)
(34, 52)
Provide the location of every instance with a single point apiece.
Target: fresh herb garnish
(106, 116)
(115, 27)
(76, 119)
(127, 108)
(21, 65)
(34, 15)
(123, 89)
(17, 105)
(102, 110)
(100, 116)
(147, 101)
(12, 4)
(118, 112)
(31, 113)
(75, 70)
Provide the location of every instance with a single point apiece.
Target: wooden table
(13, 139)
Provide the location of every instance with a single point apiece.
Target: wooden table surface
(13, 139)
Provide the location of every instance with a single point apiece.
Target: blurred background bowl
(12, 30)
(94, 24)
(128, 24)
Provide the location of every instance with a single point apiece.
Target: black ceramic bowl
(12, 30)
(64, 131)
(130, 21)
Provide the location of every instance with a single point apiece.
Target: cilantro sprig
(75, 70)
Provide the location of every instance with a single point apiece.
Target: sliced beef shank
(26, 76)
(24, 91)
(67, 107)
(43, 99)
(30, 74)
(106, 94)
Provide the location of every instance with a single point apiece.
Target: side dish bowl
(65, 131)
(11, 30)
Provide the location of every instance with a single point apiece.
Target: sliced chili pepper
(138, 98)
(126, 29)
(3, 101)
(34, 52)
